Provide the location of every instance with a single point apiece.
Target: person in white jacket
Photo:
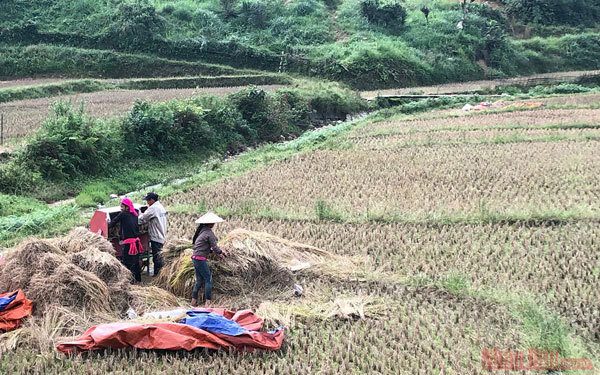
(156, 217)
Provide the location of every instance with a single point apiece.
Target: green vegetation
(41, 222)
(555, 12)
(72, 149)
(13, 205)
(48, 60)
(366, 43)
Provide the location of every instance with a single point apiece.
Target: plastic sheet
(177, 336)
(14, 307)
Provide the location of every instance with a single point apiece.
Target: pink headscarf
(129, 203)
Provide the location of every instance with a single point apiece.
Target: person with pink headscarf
(132, 246)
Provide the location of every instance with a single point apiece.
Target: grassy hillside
(367, 43)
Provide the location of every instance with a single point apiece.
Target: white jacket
(156, 217)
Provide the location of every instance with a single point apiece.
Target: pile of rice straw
(255, 261)
(79, 273)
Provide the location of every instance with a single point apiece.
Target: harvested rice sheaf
(79, 239)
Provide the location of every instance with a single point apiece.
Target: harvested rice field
(29, 82)
(486, 85)
(24, 116)
(434, 240)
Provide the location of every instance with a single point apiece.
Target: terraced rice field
(487, 228)
(465, 242)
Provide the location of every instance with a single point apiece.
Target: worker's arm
(147, 216)
(116, 220)
(212, 239)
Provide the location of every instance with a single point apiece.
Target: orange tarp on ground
(175, 336)
(12, 315)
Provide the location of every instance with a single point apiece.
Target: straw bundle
(150, 298)
(101, 264)
(69, 286)
(22, 263)
(80, 238)
(255, 261)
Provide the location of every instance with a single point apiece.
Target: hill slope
(367, 43)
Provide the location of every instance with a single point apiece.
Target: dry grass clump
(74, 283)
(69, 286)
(49, 278)
(255, 261)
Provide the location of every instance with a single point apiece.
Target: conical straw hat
(209, 218)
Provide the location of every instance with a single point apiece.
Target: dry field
(29, 82)
(419, 183)
(465, 242)
(471, 86)
(492, 244)
(24, 116)
(534, 118)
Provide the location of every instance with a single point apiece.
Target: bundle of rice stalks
(73, 272)
(73, 283)
(255, 262)
(46, 331)
(80, 238)
(102, 264)
(342, 308)
(22, 262)
(69, 286)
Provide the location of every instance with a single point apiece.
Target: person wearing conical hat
(205, 242)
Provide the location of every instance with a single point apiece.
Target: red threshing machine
(99, 224)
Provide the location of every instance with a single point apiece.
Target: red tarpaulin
(175, 336)
(13, 313)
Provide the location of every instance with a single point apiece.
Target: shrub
(183, 13)
(253, 14)
(257, 109)
(133, 26)
(305, 7)
(70, 144)
(390, 15)
(164, 129)
(551, 12)
(228, 7)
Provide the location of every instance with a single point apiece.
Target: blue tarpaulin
(212, 322)
(4, 301)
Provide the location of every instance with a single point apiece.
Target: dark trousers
(157, 258)
(132, 262)
(202, 273)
